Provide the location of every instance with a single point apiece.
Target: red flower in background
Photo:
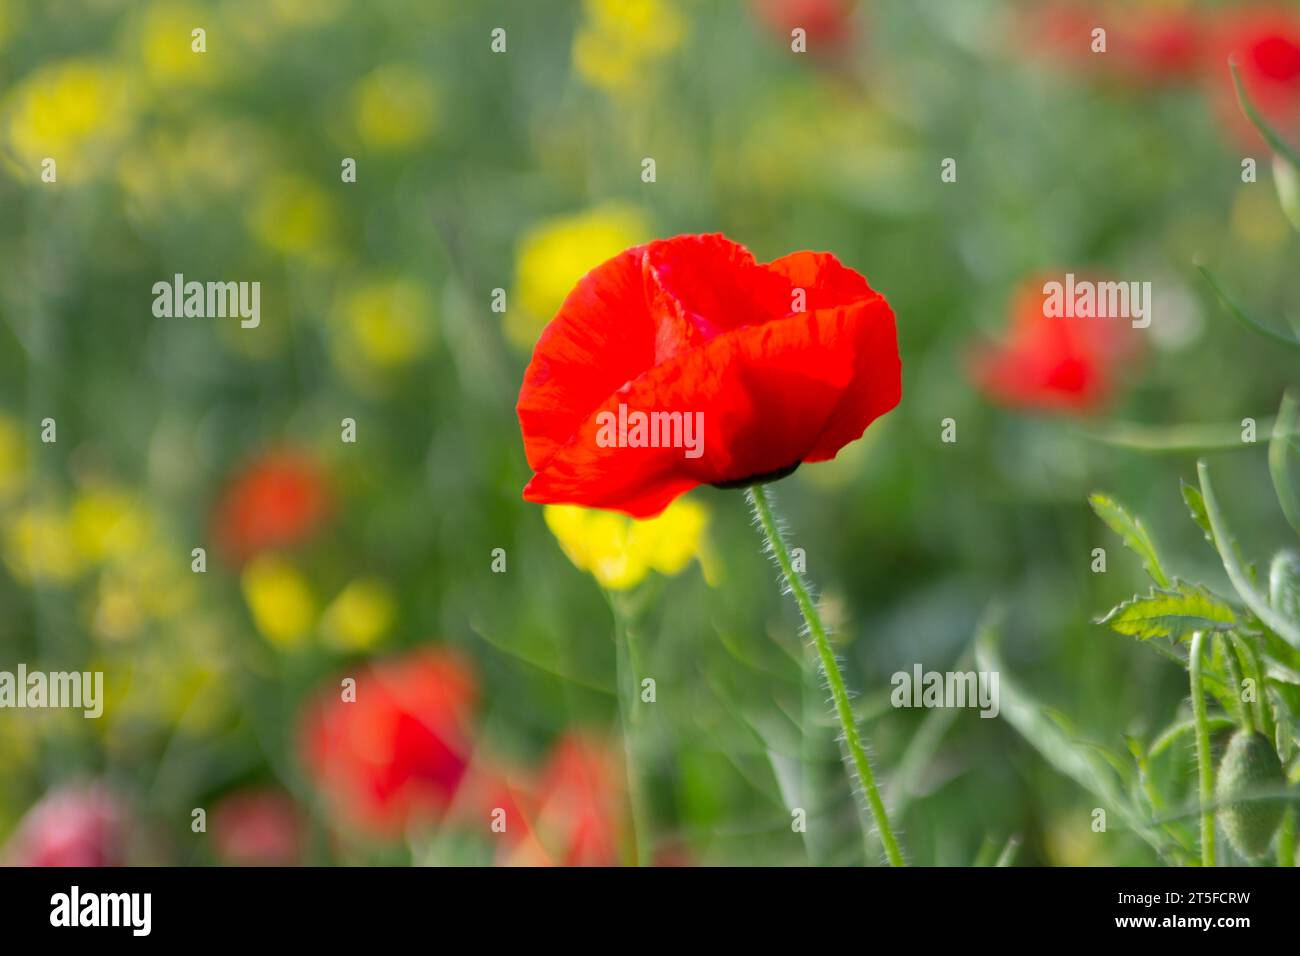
(276, 501)
(257, 828)
(397, 755)
(1265, 43)
(71, 826)
(578, 814)
(1143, 47)
(828, 23)
(694, 325)
(1055, 364)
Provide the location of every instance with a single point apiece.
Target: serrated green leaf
(1196, 505)
(1132, 533)
(1170, 612)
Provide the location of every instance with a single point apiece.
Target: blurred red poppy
(277, 501)
(579, 816)
(1143, 47)
(774, 364)
(257, 828)
(1055, 363)
(71, 826)
(396, 755)
(1265, 44)
(828, 23)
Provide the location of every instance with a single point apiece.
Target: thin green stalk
(761, 501)
(1204, 768)
(1286, 839)
(628, 669)
(1234, 677)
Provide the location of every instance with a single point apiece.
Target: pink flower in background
(257, 828)
(71, 826)
(397, 755)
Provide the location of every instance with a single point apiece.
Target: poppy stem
(628, 669)
(1204, 767)
(760, 499)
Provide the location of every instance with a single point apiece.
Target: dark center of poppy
(759, 479)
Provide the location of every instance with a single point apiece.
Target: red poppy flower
(1143, 47)
(275, 502)
(579, 815)
(773, 364)
(1054, 363)
(257, 828)
(72, 826)
(397, 754)
(829, 23)
(1265, 44)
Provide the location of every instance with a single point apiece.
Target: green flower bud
(1250, 779)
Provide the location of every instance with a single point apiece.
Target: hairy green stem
(1204, 768)
(761, 501)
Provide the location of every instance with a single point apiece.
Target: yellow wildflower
(39, 546)
(555, 254)
(620, 39)
(394, 107)
(106, 524)
(71, 111)
(279, 599)
(293, 215)
(620, 551)
(381, 325)
(360, 616)
(166, 37)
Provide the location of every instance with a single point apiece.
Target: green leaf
(1196, 505)
(1257, 327)
(1170, 612)
(1279, 448)
(1081, 764)
(1132, 533)
(1237, 574)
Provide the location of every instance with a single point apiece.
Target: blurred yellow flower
(360, 616)
(13, 459)
(167, 51)
(619, 39)
(294, 216)
(39, 545)
(279, 598)
(394, 107)
(381, 325)
(71, 111)
(620, 551)
(107, 523)
(556, 253)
